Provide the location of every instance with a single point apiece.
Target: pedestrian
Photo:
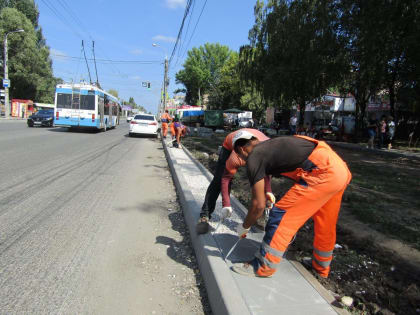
(390, 131)
(227, 165)
(165, 119)
(292, 124)
(320, 177)
(382, 131)
(371, 129)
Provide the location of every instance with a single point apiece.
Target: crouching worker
(180, 131)
(320, 176)
(227, 165)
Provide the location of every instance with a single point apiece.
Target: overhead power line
(110, 60)
(186, 12)
(195, 27)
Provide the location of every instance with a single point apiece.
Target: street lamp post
(6, 74)
(165, 78)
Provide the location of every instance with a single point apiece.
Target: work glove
(226, 212)
(242, 231)
(270, 199)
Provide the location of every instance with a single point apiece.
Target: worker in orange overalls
(165, 119)
(227, 165)
(320, 176)
(172, 129)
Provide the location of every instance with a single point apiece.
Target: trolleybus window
(87, 102)
(63, 100)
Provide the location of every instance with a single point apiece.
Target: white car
(144, 124)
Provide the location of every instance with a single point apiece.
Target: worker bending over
(227, 165)
(180, 131)
(165, 119)
(320, 176)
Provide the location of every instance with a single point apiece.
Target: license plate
(143, 124)
(37, 122)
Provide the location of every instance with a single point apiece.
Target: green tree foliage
(113, 92)
(202, 70)
(300, 49)
(30, 66)
(294, 54)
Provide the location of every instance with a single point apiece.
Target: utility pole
(165, 84)
(6, 75)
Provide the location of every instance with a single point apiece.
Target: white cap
(243, 134)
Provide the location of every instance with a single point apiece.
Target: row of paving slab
(292, 290)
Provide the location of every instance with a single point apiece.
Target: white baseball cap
(243, 134)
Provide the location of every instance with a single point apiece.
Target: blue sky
(126, 30)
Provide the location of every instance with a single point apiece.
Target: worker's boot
(248, 269)
(203, 225)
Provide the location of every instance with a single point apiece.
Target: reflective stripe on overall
(317, 192)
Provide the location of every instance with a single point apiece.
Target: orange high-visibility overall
(172, 129)
(165, 119)
(317, 193)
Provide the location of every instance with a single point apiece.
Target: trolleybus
(85, 106)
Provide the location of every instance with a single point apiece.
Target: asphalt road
(89, 223)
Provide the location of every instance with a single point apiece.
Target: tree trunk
(199, 97)
(301, 112)
(392, 95)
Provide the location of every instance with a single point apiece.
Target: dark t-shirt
(276, 156)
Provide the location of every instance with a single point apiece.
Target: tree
(30, 66)
(293, 55)
(202, 70)
(113, 92)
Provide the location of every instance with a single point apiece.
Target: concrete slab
(230, 293)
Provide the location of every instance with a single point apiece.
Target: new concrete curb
(222, 290)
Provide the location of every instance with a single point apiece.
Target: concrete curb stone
(221, 288)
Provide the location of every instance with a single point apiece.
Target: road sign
(6, 83)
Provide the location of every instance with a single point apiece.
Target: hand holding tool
(270, 199)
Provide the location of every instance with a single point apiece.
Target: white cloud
(173, 4)
(135, 77)
(136, 52)
(162, 38)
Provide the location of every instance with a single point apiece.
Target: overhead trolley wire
(195, 27)
(186, 12)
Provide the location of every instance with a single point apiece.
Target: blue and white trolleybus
(85, 106)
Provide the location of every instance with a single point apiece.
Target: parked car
(129, 118)
(43, 117)
(143, 124)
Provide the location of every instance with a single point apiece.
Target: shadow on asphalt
(64, 129)
(140, 136)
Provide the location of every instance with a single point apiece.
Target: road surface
(89, 223)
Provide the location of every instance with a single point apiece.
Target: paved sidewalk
(291, 290)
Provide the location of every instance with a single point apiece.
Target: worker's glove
(226, 212)
(242, 231)
(270, 199)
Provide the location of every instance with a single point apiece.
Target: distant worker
(227, 165)
(165, 119)
(320, 176)
(172, 129)
(180, 131)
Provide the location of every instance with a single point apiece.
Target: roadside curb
(223, 296)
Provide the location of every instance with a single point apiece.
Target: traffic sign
(6, 83)
(144, 84)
